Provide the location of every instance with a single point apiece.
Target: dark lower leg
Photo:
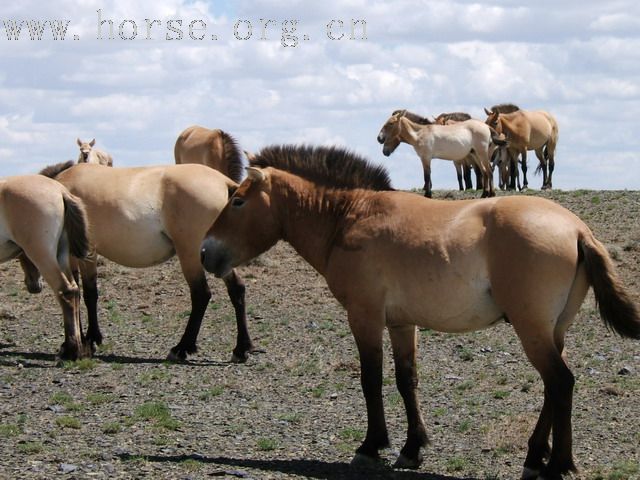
(73, 347)
(560, 390)
(552, 164)
(236, 291)
(407, 383)
(371, 379)
(467, 178)
(539, 441)
(525, 183)
(90, 295)
(427, 182)
(200, 296)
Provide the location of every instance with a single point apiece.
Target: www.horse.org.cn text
(288, 31)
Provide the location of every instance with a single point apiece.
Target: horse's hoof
(529, 474)
(239, 358)
(408, 463)
(176, 357)
(360, 460)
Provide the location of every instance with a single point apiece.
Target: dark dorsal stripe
(414, 117)
(505, 108)
(232, 157)
(52, 171)
(332, 167)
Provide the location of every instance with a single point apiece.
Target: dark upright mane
(52, 171)
(455, 116)
(505, 108)
(414, 117)
(232, 157)
(332, 167)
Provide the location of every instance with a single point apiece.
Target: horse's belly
(134, 244)
(446, 307)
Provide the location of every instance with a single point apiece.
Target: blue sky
(579, 60)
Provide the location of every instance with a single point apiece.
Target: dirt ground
(296, 411)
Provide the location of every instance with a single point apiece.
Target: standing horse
(213, 148)
(142, 217)
(394, 260)
(448, 142)
(528, 130)
(88, 154)
(42, 223)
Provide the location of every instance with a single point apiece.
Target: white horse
(470, 138)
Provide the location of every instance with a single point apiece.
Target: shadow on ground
(306, 468)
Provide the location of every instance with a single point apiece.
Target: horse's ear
(78, 142)
(92, 142)
(250, 156)
(255, 174)
(488, 112)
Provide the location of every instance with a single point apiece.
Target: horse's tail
(616, 307)
(76, 225)
(549, 148)
(52, 171)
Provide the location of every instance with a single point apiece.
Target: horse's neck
(309, 219)
(409, 131)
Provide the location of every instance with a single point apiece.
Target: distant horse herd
(394, 260)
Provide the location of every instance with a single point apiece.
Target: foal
(88, 154)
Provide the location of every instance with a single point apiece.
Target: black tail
(76, 226)
(52, 171)
(616, 307)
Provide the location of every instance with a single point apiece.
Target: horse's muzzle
(214, 257)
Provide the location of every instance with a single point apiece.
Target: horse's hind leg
(459, 175)
(403, 340)
(468, 183)
(523, 164)
(236, 290)
(89, 274)
(426, 165)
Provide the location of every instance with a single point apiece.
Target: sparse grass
(65, 421)
(464, 426)
(153, 376)
(456, 464)
(212, 392)
(100, 398)
(30, 448)
(351, 434)
(66, 400)
(117, 366)
(83, 365)
(111, 428)
(9, 430)
(267, 444)
(157, 412)
(114, 313)
(500, 394)
(293, 417)
(465, 354)
(318, 391)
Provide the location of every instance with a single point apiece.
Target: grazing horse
(142, 217)
(213, 148)
(528, 130)
(449, 142)
(41, 223)
(88, 154)
(395, 260)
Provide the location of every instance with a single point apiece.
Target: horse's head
(492, 119)
(389, 135)
(245, 228)
(441, 119)
(85, 149)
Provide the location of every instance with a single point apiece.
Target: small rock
(67, 467)
(333, 396)
(486, 350)
(625, 371)
(452, 377)
(109, 468)
(56, 408)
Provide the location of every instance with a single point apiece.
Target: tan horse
(213, 148)
(41, 223)
(529, 130)
(396, 260)
(448, 142)
(88, 154)
(142, 217)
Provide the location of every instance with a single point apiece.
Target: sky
(134, 93)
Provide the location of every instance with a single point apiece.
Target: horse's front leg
(403, 340)
(244, 345)
(426, 165)
(523, 164)
(367, 331)
(89, 273)
(468, 183)
(459, 175)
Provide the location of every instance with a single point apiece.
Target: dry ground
(296, 411)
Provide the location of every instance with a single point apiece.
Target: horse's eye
(237, 202)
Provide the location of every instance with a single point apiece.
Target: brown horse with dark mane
(42, 224)
(396, 260)
(142, 217)
(213, 148)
